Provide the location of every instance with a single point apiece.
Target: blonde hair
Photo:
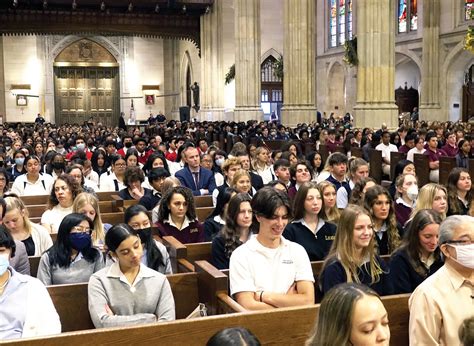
(13, 202)
(343, 247)
(333, 214)
(168, 184)
(231, 161)
(237, 175)
(426, 198)
(81, 201)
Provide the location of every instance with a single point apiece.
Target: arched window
(468, 9)
(340, 22)
(272, 87)
(407, 16)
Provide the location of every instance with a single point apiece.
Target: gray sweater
(79, 271)
(149, 299)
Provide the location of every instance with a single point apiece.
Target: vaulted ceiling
(155, 18)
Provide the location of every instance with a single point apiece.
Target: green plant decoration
(350, 52)
(278, 68)
(230, 76)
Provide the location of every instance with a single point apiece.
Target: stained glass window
(468, 9)
(407, 15)
(340, 22)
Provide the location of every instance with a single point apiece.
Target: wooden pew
(284, 326)
(356, 152)
(471, 168)
(35, 200)
(203, 201)
(112, 218)
(395, 157)
(189, 289)
(34, 264)
(446, 165)
(422, 169)
(104, 207)
(186, 255)
(375, 168)
(106, 196)
(323, 150)
(203, 213)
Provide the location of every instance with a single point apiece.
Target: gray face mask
(61, 151)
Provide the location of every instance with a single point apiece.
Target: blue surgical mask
(4, 263)
(19, 161)
(80, 241)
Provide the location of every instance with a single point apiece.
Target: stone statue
(195, 90)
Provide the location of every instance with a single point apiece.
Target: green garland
(229, 77)
(278, 68)
(350, 52)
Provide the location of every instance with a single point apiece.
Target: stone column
(430, 108)
(299, 47)
(376, 69)
(3, 91)
(171, 77)
(212, 76)
(247, 60)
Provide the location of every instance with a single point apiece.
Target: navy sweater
(317, 246)
(402, 274)
(334, 274)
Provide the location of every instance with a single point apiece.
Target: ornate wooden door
(82, 92)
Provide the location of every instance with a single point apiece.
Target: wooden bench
(104, 207)
(203, 212)
(395, 157)
(324, 152)
(375, 167)
(205, 285)
(186, 255)
(422, 169)
(446, 165)
(356, 152)
(471, 168)
(284, 326)
(35, 200)
(203, 201)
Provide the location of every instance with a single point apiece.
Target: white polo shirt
(42, 186)
(386, 150)
(254, 267)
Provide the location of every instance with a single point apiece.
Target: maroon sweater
(194, 233)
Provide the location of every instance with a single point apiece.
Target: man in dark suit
(200, 180)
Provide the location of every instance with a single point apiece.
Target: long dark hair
(95, 158)
(223, 198)
(60, 252)
(230, 231)
(411, 241)
(117, 234)
(149, 162)
(452, 188)
(164, 210)
(153, 255)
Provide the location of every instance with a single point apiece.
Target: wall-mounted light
(184, 9)
(208, 9)
(102, 6)
(157, 8)
(45, 4)
(15, 3)
(74, 5)
(130, 7)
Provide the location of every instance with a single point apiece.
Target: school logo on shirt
(193, 230)
(289, 261)
(329, 237)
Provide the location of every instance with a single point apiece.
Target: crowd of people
(275, 211)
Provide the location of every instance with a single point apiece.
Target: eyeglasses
(459, 242)
(77, 229)
(121, 165)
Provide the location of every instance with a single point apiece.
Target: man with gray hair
(440, 304)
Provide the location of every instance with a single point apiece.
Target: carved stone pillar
(3, 91)
(247, 60)
(212, 80)
(299, 48)
(171, 77)
(430, 108)
(376, 69)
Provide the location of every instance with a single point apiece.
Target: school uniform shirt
(254, 267)
(343, 195)
(334, 274)
(26, 309)
(126, 195)
(150, 200)
(80, 270)
(163, 268)
(55, 216)
(402, 211)
(404, 277)
(212, 226)
(338, 184)
(190, 232)
(219, 258)
(22, 187)
(109, 182)
(149, 299)
(317, 243)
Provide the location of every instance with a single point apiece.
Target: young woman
(407, 193)
(177, 216)
(128, 292)
(57, 166)
(329, 212)
(235, 232)
(131, 158)
(359, 190)
(88, 205)
(261, 165)
(134, 179)
(39, 149)
(241, 182)
(300, 174)
(64, 190)
(353, 257)
(419, 256)
(358, 169)
(155, 160)
(35, 237)
(379, 204)
(460, 192)
(432, 196)
(4, 182)
(316, 163)
(464, 154)
(32, 183)
(99, 161)
(402, 167)
(18, 167)
(215, 221)
(72, 258)
(114, 180)
(351, 314)
(155, 255)
(308, 229)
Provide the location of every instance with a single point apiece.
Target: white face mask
(4, 263)
(464, 255)
(220, 161)
(412, 192)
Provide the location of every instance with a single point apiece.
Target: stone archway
(336, 89)
(86, 84)
(186, 74)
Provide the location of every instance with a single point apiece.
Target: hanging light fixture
(184, 9)
(15, 3)
(102, 6)
(45, 4)
(157, 8)
(130, 7)
(74, 5)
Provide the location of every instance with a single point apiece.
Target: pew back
(446, 164)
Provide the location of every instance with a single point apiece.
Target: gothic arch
(68, 40)
(336, 87)
(409, 54)
(186, 63)
(270, 52)
(407, 71)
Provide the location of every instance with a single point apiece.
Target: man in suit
(200, 180)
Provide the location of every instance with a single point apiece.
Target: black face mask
(144, 234)
(1, 163)
(128, 145)
(58, 165)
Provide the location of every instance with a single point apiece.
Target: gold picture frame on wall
(149, 100)
(21, 100)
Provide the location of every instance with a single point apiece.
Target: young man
(433, 154)
(338, 164)
(156, 177)
(127, 141)
(81, 146)
(143, 154)
(200, 180)
(268, 271)
(451, 146)
(229, 167)
(409, 143)
(386, 148)
(281, 168)
(444, 300)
